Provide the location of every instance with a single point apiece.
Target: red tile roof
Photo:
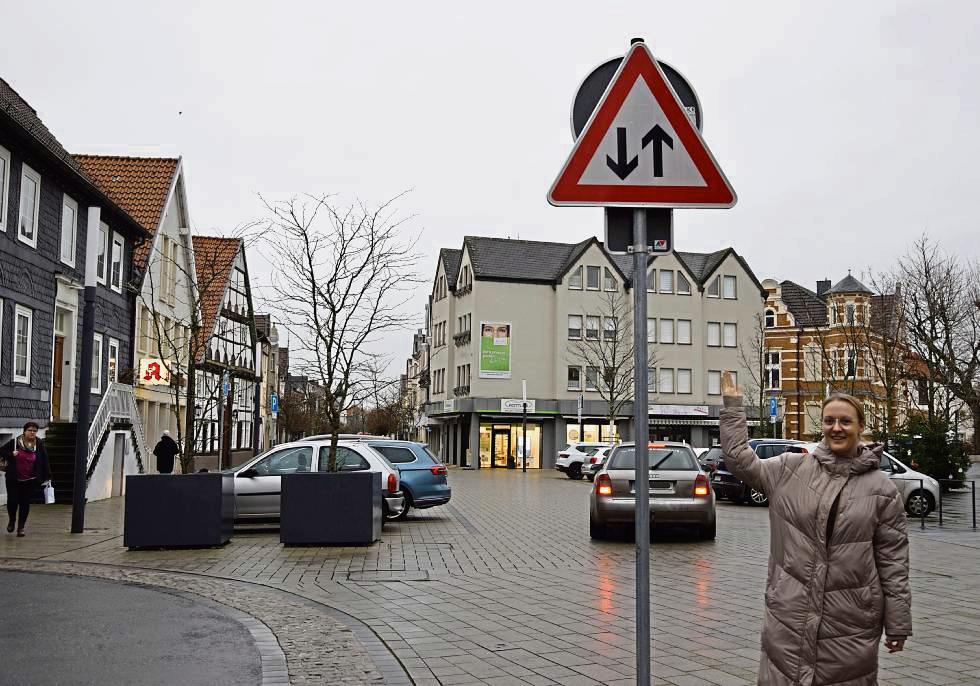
(139, 185)
(214, 258)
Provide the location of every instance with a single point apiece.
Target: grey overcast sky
(847, 128)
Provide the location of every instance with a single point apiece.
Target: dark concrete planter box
(325, 508)
(179, 510)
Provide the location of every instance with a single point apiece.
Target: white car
(258, 483)
(593, 463)
(572, 456)
(919, 491)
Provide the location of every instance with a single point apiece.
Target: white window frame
(27, 172)
(609, 333)
(113, 377)
(773, 366)
(769, 315)
(572, 337)
(725, 281)
(716, 327)
(592, 385)
(666, 334)
(576, 385)
(714, 382)
(117, 241)
(665, 380)
(716, 286)
(589, 321)
(102, 274)
(609, 280)
(669, 273)
(733, 328)
(684, 326)
(576, 279)
(68, 204)
(651, 329)
(97, 368)
(651, 380)
(687, 287)
(598, 278)
(21, 311)
(4, 187)
(689, 375)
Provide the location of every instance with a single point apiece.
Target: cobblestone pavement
(504, 586)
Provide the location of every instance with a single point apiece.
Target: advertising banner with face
(495, 350)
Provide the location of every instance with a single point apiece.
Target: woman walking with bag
(27, 469)
(839, 553)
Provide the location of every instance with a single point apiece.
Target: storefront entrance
(501, 456)
(501, 446)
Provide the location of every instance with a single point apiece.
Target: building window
(113, 370)
(714, 334)
(666, 281)
(69, 227)
(4, 185)
(592, 276)
(609, 329)
(772, 369)
(575, 378)
(730, 335)
(96, 380)
(100, 265)
(730, 291)
(812, 364)
(30, 201)
(610, 280)
(666, 380)
(574, 327)
(833, 314)
(714, 383)
(714, 288)
(23, 329)
(849, 313)
(683, 285)
(575, 279)
(850, 363)
(684, 331)
(684, 381)
(651, 330)
(770, 321)
(666, 330)
(591, 328)
(592, 378)
(651, 380)
(115, 282)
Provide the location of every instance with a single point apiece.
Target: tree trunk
(187, 456)
(975, 413)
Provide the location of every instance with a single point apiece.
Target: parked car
(730, 487)
(680, 492)
(919, 491)
(593, 463)
(571, 457)
(258, 483)
(424, 478)
(710, 458)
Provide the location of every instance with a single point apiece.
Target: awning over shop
(675, 421)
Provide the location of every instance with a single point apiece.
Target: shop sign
(449, 405)
(516, 405)
(153, 372)
(495, 349)
(680, 410)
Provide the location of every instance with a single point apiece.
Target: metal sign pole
(640, 438)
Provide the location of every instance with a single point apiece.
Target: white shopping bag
(49, 494)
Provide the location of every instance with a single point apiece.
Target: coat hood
(867, 459)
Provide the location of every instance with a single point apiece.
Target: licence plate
(661, 485)
(717, 477)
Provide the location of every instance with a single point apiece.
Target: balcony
(462, 338)
(460, 391)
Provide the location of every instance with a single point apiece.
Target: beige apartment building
(505, 312)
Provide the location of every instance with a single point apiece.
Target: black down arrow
(621, 167)
(659, 138)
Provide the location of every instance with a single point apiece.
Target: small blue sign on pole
(274, 403)
(225, 385)
(773, 407)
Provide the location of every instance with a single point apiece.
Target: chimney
(823, 286)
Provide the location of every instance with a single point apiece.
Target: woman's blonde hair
(845, 398)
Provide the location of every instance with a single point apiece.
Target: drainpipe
(799, 380)
(85, 371)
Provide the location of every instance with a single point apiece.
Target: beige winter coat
(826, 602)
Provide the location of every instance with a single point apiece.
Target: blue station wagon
(423, 477)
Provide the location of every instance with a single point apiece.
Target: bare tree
(942, 312)
(753, 353)
(343, 276)
(605, 352)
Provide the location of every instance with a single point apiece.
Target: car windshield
(658, 458)
(591, 451)
(713, 453)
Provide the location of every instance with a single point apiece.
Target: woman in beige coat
(839, 554)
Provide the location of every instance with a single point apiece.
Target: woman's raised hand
(728, 387)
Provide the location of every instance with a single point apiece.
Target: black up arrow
(658, 137)
(621, 167)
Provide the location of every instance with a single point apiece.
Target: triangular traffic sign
(640, 149)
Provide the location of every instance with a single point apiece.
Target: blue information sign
(773, 407)
(274, 402)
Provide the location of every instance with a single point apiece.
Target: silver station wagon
(679, 491)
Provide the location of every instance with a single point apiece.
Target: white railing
(118, 404)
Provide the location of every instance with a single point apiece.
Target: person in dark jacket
(27, 469)
(166, 450)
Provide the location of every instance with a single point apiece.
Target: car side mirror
(248, 473)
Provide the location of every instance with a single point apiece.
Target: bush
(926, 446)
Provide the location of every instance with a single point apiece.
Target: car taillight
(804, 451)
(702, 486)
(591, 460)
(603, 485)
(562, 454)
(438, 470)
(392, 483)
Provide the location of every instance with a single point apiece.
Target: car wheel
(404, 513)
(707, 533)
(598, 531)
(590, 476)
(920, 503)
(757, 498)
(575, 471)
